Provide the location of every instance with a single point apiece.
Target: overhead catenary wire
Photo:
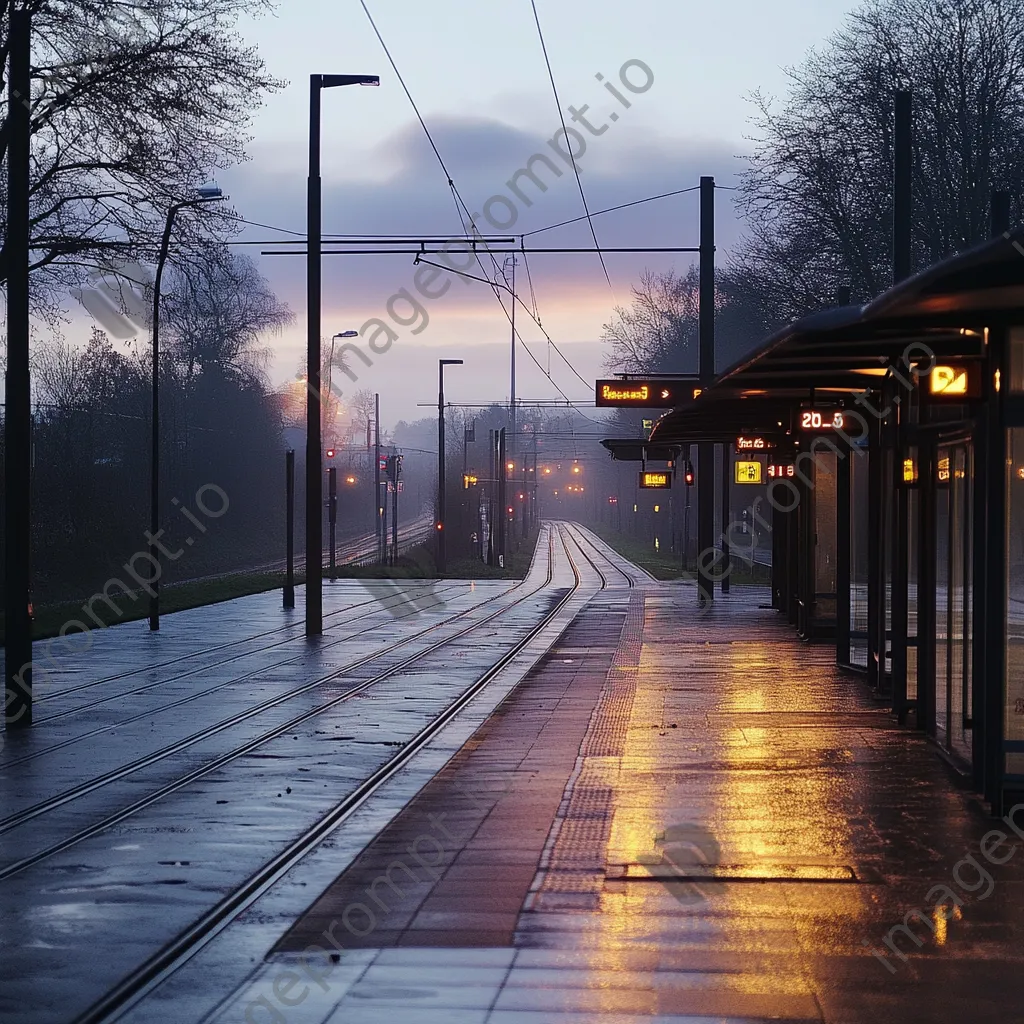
(611, 209)
(460, 204)
(565, 132)
(515, 298)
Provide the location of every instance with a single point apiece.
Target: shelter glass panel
(942, 585)
(1016, 360)
(1014, 691)
(859, 559)
(958, 601)
(825, 548)
(913, 510)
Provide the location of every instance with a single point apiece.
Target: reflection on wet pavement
(700, 819)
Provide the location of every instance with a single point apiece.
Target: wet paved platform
(672, 816)
(675, 818)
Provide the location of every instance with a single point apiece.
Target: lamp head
(332, 81)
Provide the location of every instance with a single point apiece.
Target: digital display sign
(637, 394)
(748, 472)
(959, 381)
(781, 470)
(822, 419)
(659, 480)
(753, 444)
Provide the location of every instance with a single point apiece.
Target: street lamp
(206, 194)
(439, 526)
(330, 363)
(314, 482)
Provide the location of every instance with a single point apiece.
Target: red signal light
(330, 453)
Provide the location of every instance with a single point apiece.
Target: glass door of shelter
(1013, 709)
(953, 597)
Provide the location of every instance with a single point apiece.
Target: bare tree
(658, 330)
(218, 310)
(818, 192)
(133, 107)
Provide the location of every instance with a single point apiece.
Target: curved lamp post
(209, 194)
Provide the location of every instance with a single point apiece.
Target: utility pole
(332, 512)
(377, 526)
(492, 483)
(440, 524)
(706, 372)
(502, 506)
(289, 497)
(382, 553)
(314, 465)
(396, 469)
(18, 410)
(512, 381)
(533, 495)
(314, 271)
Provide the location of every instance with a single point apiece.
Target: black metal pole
(492, 484)
(394, 510)
(289, 491)
(523, 506)
(18, 410)
(502, 506)
(154, 430)
(724, 564)
(332, 510)
(383, 554)
(439, 525)
(314, 469)
(706, 372)
(902, 187)
(376, 479)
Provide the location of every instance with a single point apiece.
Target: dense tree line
(220, 425)
(817, 192)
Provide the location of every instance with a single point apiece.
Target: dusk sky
(477, 73)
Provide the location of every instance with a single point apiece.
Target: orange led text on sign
(747, 444)
(656, 480)
(613, 394)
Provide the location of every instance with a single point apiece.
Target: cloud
(398, 188)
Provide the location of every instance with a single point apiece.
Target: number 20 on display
(812, 419)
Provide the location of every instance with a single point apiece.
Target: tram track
(134, 987)
(297, 627)
(379, 605)
(20, 818)
(582, 541)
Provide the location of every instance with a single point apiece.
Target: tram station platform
(678, 816)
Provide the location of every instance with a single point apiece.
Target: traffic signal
(330, 453)
(688, 476)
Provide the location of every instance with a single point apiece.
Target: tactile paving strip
(576, 858)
